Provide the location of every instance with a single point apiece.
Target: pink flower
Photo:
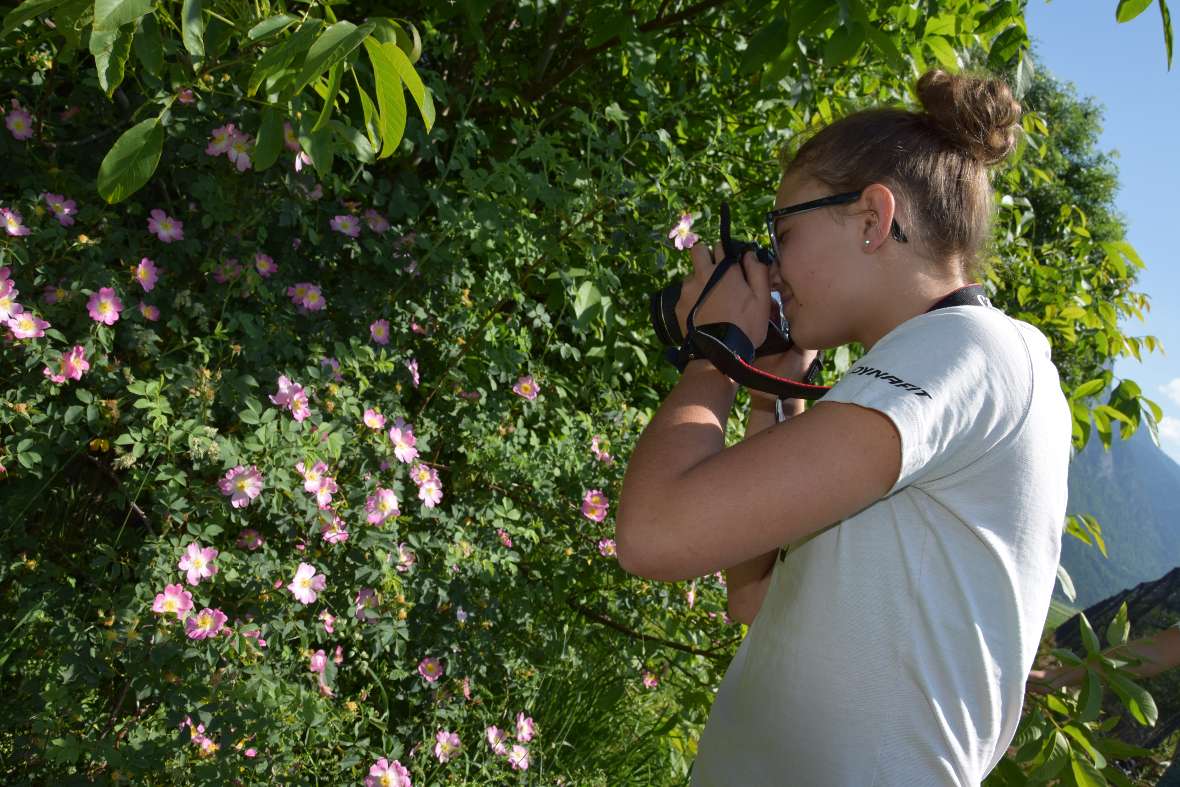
(229, 270)
(13, 222)
(149, 312)
(302, 160)
(104, 306)
(690, 595)
(220, 139)
(306, 583)
(8, 305)
(338, 655)
(174, 600)
(198, 562)
(446, 745)
(165, 227)
(326, 361)
(599, 454)
(289, 138)
(19, 122)
(335, 532)
(379, 330)
(412, 365)
(239, 151)
(430, 669)
(418, 329)
(366, 604)
(318, 483)
(242, 484)
(53, 293)
(318, 661)
(206, 623)
(313, 299)
(682, 233)
(376, 221)
(518, 758)
(526, 386)
(249, 539)
(607, 548)
(185, 96)
(594, 505)
(525, 728)
(374, 419)
(346, 225)
(265, 265)
(388, 774)
(505, 539)
(401, 434)
(72, 365)
(430, 493)
(381, 506)
(250, 752)
(405, 558)
(63, 209)
(650, 681)
(282, 397)
(146, 273)
(496, 738)
(329, 621)
(420, 474)
(27, 325)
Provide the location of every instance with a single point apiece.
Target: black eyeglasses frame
(823, 202)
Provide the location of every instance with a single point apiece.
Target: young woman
(921, 500)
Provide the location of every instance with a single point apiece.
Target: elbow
(633, 547)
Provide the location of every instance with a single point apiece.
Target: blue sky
(1124, 68)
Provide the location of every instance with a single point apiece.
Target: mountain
(1133, 490)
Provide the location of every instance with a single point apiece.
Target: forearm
(1157, 654)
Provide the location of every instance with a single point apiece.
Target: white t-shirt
(892, 648)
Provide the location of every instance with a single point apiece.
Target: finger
(702, 263)
(758, 277)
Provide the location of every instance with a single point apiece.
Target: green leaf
(389, 31)
(1066, 583)
(1081, 735)
(334, 76)
(110, 48)
(317, 145)
(192, 30)
(368, 110)
(113, 14)
(884, 44)
(131, 161)
(1166, 17)
(1088, 388)
(944, 53)
(1084, 772)
(1089, 638)
(278, 56)
(333, 45)
(1058, 748)
(270, 26)
(844, 44)
(148, 45)
(767, 44)
(1129, 9)
(270, 139)
(390, 101)
(413, 83)
(1006, 47)
(1136, 698)
(1090, 699)
(26, 11)
(586, 297)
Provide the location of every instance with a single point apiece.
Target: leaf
(1089, 638)
(334, 76)
(1088, 388)
(944, 53)
(1166, 17)
(1058, 748)
(586, 297)
(192, 30)
(413, 83)
(26, 11)
(317, 145)
(270, 26)
(390, 101)
(844, 44)
(333, 45)
(390, 31)
(1138, 701)
(767, 44)
(1080, 735)
(1006, 47)
(131, 161)
(279, 55)
(367, 109)
(1119, 628)
(148, 45)
(113, 14)
(1066, 583)
(883, 42)
(270, 139)
(1084, 772)
(1090, 699)
(110, 48)
(1129, 9)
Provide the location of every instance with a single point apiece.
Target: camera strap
(728, 348)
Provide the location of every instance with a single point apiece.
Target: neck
(905, 301)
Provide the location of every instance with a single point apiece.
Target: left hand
(741, 301)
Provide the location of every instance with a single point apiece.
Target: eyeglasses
(838, 199)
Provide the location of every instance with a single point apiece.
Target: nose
(776, 279)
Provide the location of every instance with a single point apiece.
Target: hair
(936, 161)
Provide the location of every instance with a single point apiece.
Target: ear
(878, 208)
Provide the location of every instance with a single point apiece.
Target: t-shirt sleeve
(954, 382)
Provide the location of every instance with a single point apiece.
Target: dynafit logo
(894, 380)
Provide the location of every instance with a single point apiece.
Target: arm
(1158, 654)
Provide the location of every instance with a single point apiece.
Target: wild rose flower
(165, 227)
(13, 223)
(282, 397)
(71, 365)
(412, 365)
(318, 661)
(229, 270)
(594, 505)
(381, 506)
(505, 539)
(446, 745)
(312, 476)
(306, 583)
(150, 313)
(379, 330)
(376, 221)
(326, 361)
(329, 621)
(388, 774)
(19, 122)
(346, 225)
(527, 387)
(104, 306)
(366, 605)
(405, 558)
(206, 623)
(650, 681)
(303, 160)
(242, 485)
(430, 493)
(289, 138)
(220, 139)
(146, 273)
(338, 655)
(54, 293)
(174, 600)
(690, 595)
(416, 328)
(496, 738)
(250, 752)
(525, 728)
(249, 539)
(63, 209)
(430, 669)
(607, 548)
(421, 474)
(297, 292)
(401, 434)
(334, 532)
(185, 96)
(682, 234)
(374, 419)
(27, 325)
(197, 561)
(239, 151)
(313, 299)
(599, 454)
(265, 265)
(518, 758)
(8, 304)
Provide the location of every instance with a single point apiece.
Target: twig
(134, 506)
(604, 620)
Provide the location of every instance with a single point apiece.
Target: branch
(599, 618)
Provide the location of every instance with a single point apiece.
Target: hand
(734, 299)
(792, 364)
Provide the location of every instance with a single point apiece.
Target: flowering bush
(312, 407)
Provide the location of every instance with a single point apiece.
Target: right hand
(792, 364)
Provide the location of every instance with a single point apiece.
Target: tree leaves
(391, 104)
(1129, 9)
(192, 29)
(113, 14)
(131, 161)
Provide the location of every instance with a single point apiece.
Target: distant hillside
(1134, 492)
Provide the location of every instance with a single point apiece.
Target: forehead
(797, 187)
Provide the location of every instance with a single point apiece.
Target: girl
(922, 498)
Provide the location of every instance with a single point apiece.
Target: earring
(867, 242)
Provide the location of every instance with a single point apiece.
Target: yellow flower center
(205, 621)
(198, 562)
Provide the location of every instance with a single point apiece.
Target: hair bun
(979, 114)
